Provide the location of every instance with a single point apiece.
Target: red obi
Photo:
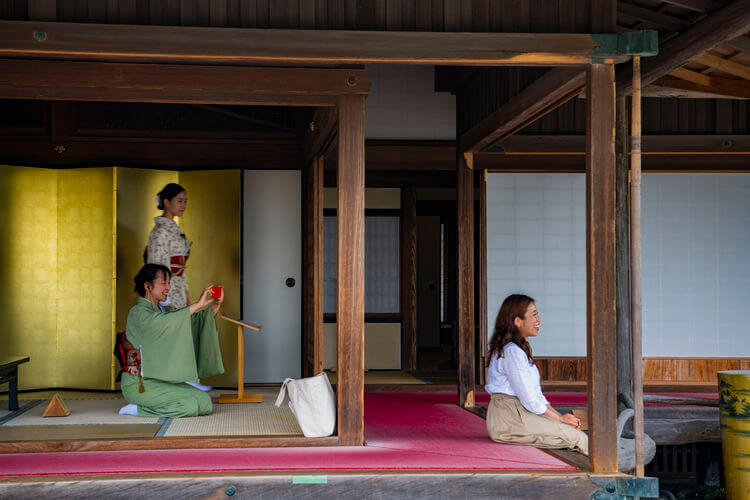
(177, 264)
(128, 356)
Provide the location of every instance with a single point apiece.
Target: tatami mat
(82, 411)
(237, 420)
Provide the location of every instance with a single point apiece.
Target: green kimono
(175, 347)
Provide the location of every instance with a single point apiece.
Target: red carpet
(404, 431)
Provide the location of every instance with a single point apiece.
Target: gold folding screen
(57, 230)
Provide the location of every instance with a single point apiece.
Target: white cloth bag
(312, 403)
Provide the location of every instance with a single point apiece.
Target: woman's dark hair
(148, 274)
(170, 191)
(514, 306)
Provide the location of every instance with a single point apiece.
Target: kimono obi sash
(128, 356)
(177, 264)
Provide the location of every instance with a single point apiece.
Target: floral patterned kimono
(168, 246)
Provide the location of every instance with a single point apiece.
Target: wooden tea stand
(241, 397)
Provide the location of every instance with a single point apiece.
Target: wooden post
(622, 237)
(465, 288)
(313, 269)
(482, 262)
(240, 363)
(240, 397)
(635, 266)
(408, 277)
(350, 312)
(600, 262)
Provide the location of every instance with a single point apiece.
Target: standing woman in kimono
(175, 346)
(167, 244)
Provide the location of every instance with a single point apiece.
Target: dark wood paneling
(408, 228)
(350, 311)
(42, 10)
(600, 265)
(673, 371)
(465, 277)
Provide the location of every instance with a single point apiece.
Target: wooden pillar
(622, 238)
(408, 277)
(600, 262)
(350, 311)
(482, 263)
(465, 288)
(312, 292)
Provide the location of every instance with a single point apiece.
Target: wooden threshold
(165, 443)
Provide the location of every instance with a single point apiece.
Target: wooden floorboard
(161, 443)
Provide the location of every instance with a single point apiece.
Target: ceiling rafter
(725, 65)
(700, 6)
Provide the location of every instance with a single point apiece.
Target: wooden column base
(240, 398)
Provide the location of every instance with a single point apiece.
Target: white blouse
(514, 375)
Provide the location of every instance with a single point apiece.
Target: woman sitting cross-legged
(175, 345)
(518, 412)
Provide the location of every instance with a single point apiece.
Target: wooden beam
(408, 227)
(313, 266)
(716, 88)
(724, 65)
(97, 81)
(724, 24)
(701, 6)
(652, 17)
(600, 261)
(682, 162)
(553, 89)
(741, 43)
(691, 76)
(149, 43)
(652, 144)
(350, 310)
(465, 283)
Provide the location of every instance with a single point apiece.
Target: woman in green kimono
(176, 345)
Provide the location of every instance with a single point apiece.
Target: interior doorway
(436, 332)
(271, 273)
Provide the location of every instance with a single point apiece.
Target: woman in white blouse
(518, 412)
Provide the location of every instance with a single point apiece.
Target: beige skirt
(509, 422)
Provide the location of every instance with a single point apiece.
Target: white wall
(403, 104)
(696, 264)
(536, 245)
(696, 270)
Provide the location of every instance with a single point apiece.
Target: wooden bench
(9, 373)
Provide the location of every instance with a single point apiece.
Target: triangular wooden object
(56, 407)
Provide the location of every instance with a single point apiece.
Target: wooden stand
(240, 397)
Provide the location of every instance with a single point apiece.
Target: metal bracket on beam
(631, 43)
(623, 488)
